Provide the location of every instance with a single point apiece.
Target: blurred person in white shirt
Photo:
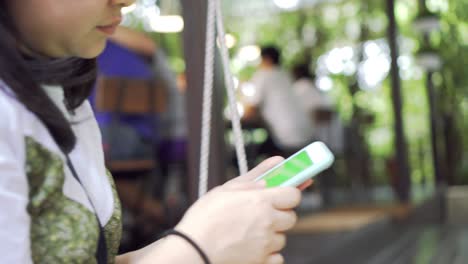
(319, 107)
(289, 125)
(310, 98)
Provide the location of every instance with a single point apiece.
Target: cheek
(78, 37)
(67, 39)
(63, 30)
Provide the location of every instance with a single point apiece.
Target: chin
(93, 51)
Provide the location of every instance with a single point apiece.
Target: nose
(122, 3)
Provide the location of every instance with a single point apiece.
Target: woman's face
(65, 28)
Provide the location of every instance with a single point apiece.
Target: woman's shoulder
(12, 111)
(18, 123)
(9, 106)
(11, 130)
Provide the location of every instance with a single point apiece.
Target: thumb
(263, 167)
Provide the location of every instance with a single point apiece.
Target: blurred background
(383, 83)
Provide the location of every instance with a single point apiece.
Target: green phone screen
(288, 170)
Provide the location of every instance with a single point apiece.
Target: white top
(309, 97)
(16, 123)
(289, 123)
(312, 99)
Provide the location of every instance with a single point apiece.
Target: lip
(110, 28)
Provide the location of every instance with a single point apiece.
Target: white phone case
(322, 158)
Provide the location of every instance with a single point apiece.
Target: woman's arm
(238, 222)
(172, 249)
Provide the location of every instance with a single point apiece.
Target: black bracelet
(191, 242)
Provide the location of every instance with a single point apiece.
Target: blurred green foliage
(349, 23)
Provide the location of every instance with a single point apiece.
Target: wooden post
(433, 117)
(404, 183)
(194, 13)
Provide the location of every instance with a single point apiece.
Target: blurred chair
(120, 96)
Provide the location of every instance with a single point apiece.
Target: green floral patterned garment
(62, 230)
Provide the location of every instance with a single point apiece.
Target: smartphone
(298, 168)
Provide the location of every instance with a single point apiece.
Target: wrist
(170, 249)
(181, 245)
(198, 238)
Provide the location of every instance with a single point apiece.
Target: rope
(207, 98)
(214, 15)
(235, 118)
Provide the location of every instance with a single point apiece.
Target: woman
(57, 203)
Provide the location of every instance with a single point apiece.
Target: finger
(263, 167)
(241, 185)
(284, 220)
(278, 242)
(283, 198)
(305, 185)
(275, 259)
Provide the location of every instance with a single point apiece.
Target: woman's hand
(242, 221)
